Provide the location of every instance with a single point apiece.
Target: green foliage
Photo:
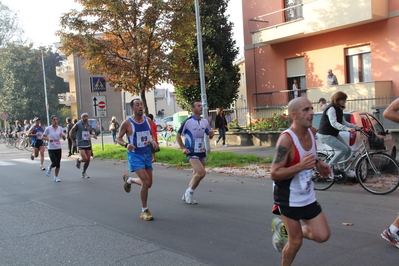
(233, 124)
(21, 82)
(219, 51)
(62, 115)
(176, 158)
(274, 123)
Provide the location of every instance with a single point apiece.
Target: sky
(40, 19)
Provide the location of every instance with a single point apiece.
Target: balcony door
(293, 11)
(358, 62)
(295, 68)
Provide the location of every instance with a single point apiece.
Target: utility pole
(45, 90)
(201, 70)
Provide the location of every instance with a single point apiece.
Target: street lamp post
(201, 70)
(45, 91)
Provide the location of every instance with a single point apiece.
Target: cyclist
(331, 123)
(36, 133)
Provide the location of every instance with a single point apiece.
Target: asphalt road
(94, 222)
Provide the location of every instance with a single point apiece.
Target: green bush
(274, 123)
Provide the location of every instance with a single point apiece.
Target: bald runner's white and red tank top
(297, 191)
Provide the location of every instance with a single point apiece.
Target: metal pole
(201, 70)
(45, 91)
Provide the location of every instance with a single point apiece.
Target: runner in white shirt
(54, 134)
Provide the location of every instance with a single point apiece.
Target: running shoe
(48, 172)
(280, 236)
(56, 179)
(224, 145)
(84, 175)
(146, 215)
(32, 157)
(42, 168)
(77, 163)
(388, 236)
(188, 197)
(126, 186)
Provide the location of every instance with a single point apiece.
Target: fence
(246, 116)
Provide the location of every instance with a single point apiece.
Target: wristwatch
(126, 145)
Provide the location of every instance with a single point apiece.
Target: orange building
(301, 39)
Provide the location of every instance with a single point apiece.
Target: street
(95, 222)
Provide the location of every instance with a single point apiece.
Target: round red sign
(101, 105)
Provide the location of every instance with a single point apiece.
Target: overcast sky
(40, 18)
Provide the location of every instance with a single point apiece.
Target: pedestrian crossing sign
(97, 84)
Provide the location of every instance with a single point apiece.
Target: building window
(358, 64)
(295, 68)
(293, 13)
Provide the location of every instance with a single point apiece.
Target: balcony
(64, 71)
(67, 98)
(315, 17)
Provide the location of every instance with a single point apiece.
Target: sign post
(100, 110)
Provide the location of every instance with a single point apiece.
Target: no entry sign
(99, 106)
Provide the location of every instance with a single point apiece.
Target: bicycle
(377, 172)
(165, 136)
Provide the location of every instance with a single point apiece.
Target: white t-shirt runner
(54, 133)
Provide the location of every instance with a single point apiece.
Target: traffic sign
(98, 84)
(4, 116)
(99, 106)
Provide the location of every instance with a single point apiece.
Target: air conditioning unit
(239, 96)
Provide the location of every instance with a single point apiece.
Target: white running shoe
(48, 172)
(56, 179)
(188, 197)
(84, 175)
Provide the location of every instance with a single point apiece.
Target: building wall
(84, 94)
(265, 65)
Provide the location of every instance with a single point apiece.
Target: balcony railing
(66, 98)
(315, 17)
(64, 70)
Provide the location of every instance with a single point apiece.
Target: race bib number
(305, 180)
(39, 135)
(57, 141)
(199, 145)
(143, 138)
(85, 135)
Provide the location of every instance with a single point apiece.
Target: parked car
(96, 126)
(361, 119)
(160, 124)
(168, 120)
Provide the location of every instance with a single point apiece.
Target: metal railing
(280, 17)
(245, 117)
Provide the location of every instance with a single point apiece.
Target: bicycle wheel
(379, 175)
(319, 182)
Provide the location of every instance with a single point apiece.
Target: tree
(221, 75)
(127, 41)
(9, 27)
(21, 82)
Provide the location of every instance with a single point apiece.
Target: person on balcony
(331, 78)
